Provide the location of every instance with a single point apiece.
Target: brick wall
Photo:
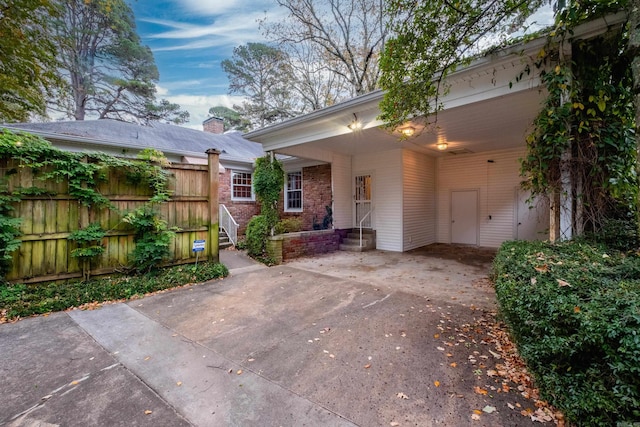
(307, 243)
(242, 212)
(316, 194)
(213, 125)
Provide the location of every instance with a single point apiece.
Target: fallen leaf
(562, 283)
(436, 336)
(491, 373)
(494, 354)
(147, 358)
(394, 424)
(475, 417)
(489, 409)
(576, 309)
(440, 348)
(477, 411)
(510, 406)
(534, 281)
(367, 366)
(480, 390)
(179, 383)
(542, 268)
(453, 365)
(402, 396)
(148, 412)
(239, 372)
(436, 383)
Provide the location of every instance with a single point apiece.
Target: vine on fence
(84, 172)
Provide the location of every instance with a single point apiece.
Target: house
(455, 182)
(305, 195)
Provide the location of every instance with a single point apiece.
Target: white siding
(495, 181)
(341, 187)
(418, 200)
(386, 170)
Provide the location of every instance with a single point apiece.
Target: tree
(28, 68)
(110, 73)
(262, 74)
(232, 120)
(345, 38)
(430, 41)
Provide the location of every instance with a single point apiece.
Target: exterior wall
(306, 243)
(387, 218)
(316, 194)
(241, 211)
(342, 192)
(418, 200)
(496, 182)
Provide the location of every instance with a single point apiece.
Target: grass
(20, 300)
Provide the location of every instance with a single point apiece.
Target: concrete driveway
(374, 339)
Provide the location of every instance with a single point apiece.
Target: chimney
(213, 125)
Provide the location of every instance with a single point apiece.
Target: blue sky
(190, 38)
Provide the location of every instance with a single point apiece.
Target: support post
(213, 252)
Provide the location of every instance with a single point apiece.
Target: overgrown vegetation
(288, 225)
(21, 300)
(84, 172)
(89, 241)
(574, 312)
(268, 179)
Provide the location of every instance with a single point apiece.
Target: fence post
(213, 156)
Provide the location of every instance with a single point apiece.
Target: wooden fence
(47, 221)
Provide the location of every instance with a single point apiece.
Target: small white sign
(198, 245)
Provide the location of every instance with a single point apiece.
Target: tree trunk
(634, 51)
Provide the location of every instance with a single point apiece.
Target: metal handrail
(363, 218)
(228, 224)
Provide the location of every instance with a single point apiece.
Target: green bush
(256, 236)
(21, 301)
(574, 312)
(288, 225)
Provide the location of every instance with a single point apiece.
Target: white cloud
(161, 91)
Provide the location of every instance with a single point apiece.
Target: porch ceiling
(495, 124)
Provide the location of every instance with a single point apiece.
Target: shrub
(574, 312)
(20, 300)
(288, 225)
(257, 233)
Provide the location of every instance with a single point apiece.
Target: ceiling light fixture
(442, 146)
(355, 124)
(408, 131)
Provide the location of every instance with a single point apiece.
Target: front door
(362, 198)
(464, 217)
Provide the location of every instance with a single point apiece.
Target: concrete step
(356, 241)
(353, 248)
(365, 234)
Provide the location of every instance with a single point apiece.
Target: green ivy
(268, 179)
(90, 246)
(84, 172)
(585, 128)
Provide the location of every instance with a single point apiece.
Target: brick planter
(305, 243)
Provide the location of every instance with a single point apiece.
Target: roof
(170, 139)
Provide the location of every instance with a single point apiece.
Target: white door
(532, 218)
(464, 217)
(362, 198)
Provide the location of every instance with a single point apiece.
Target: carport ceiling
(499, 123)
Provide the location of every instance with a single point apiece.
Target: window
(241, 188)
(293, 192)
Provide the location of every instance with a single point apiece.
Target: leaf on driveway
(436, 383)
(367, 366)
(440, 348)
(394, 424)
(489, 409)
(480, 390)
(402, 396)
(148, 412)
(475, 417)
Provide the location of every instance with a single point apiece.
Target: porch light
(408, 131)
(442, 146)
(355, 124)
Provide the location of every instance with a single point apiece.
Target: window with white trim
(241, 186)
(293, 192)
